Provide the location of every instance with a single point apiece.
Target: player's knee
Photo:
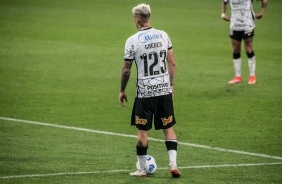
(236, 49)
(142, 136)
(169, 133)
(249, 50)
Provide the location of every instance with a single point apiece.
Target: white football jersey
(242, 15)
(149, 50)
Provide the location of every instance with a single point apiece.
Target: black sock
(171, 145)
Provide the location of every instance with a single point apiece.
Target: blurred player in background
(150, 49)
(242, 28)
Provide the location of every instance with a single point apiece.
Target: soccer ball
(151, 165)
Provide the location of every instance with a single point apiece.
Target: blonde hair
(143, 12)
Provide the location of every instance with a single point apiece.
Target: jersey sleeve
(226, 1)
(169, 43)
(167, 39)
(129, 54)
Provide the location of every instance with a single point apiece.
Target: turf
(60, 63)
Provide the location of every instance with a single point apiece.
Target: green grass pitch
(60, 119)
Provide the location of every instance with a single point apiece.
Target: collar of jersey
(146, 29)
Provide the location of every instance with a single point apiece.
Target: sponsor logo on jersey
(167, 120)
(144, 37)
(239, 25)
(140, 121)
(157, 86)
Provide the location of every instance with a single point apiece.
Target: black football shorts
(160, 108)
(239, 35)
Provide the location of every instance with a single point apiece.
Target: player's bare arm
(125, 75)
(263, 7)
(223, 10)
(171, 67)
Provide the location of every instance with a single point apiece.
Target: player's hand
(122, 96)
(259, 16)
(224, 17)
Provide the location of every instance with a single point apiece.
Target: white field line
(118, 171)
(134, 136)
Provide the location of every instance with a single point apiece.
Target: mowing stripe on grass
(118, 171)
(134, 136)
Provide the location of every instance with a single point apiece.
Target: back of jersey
(149, 50)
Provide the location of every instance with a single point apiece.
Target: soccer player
(151, 49)
(242, 28)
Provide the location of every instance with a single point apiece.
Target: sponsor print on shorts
(139, 121)
(167, 120)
